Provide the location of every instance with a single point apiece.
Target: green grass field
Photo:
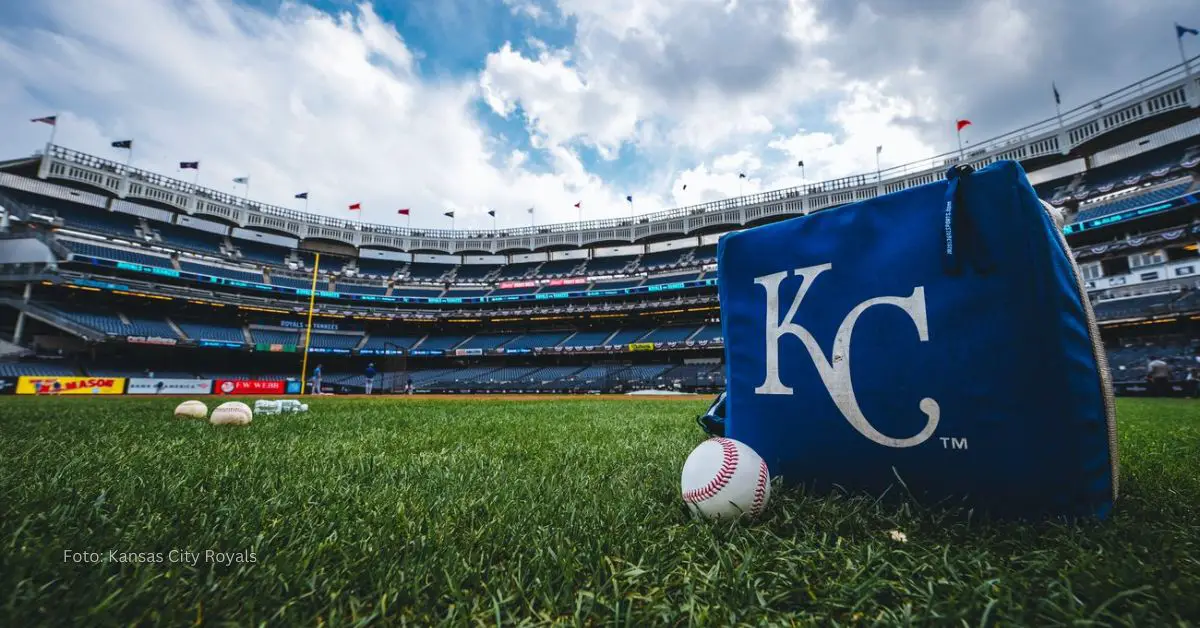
(537, 512)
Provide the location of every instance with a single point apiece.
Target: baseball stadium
(497, 418)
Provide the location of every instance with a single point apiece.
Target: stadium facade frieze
(1051, 138)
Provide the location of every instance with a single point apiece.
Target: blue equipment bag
(939, 337)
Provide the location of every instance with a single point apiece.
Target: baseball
(232, 413)
(724, 478)
(191, 410)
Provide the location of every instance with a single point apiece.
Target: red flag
(403, 212)
(578, 205)
(355, 207)
(51, 120)
(962, 123)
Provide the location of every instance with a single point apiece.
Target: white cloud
(299, 100)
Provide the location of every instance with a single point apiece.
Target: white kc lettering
(835, 375)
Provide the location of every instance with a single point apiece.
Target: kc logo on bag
(835, 374)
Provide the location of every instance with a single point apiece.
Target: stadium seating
(443, 343)
(706, 254)
(540, 340)
(18, 369)
(334, 341)
(220, 271)
(626, 336)
(117, 255)
(187, 238)
(602, 265)
(90, 219)
(361, 288)
(669, 334)
(274, 337)
(1092, 211)
(379, 343)
(204, 331)
(262, 253)
(473, 272)
(558, 268)
(427, 272)
(300, 283)
(500, 292)
(587, 339)
(377, 267)
(486, 341)
(113, 325)
(516, 271)
(1135, 306)
(708, 332)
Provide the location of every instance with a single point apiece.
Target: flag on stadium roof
(241, 180)
(1180, 31)
(404, 212)
(685, 186)
(355, 207)
(303, 195)
(123, 144)
(51, 120)
(629, 198)
(449, 214)
(962, 123)
(879, 149)
(741, 175)
(1057, 98)
(189, 165)
(800, 163)
(492, 213)
(530, 210)
(579, 205)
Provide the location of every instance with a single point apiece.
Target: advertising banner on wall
(39, 385)
(8, 385)
(641, 346)
(152, 340)
(249, 387)
(152, 386)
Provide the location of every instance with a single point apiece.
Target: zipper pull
(959, 231)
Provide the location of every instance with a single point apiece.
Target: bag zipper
(1098, 353)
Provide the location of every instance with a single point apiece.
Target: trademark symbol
(953, 443)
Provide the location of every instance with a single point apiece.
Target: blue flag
(303, 195)
(1180, 31)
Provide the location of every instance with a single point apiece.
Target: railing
(1046, 127)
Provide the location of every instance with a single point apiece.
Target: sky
(503, 105)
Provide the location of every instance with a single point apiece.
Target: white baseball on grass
(232, 413)
(191, 410)
(724, 478)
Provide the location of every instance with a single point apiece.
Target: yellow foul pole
(312, 298)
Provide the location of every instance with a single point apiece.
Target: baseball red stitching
(729, 461)
(760, 489)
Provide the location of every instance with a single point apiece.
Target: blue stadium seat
(708, 332)
(204, 331)
(440, 342)
(378, 343)
(539, 340)
(219, 271)
(333, 341)
(587, 339)
(626, 336)
(1136, 199)
(428, 293)
(487, 341)
(18, 369)
(261, 252)
(361, 288)
(669, 334)
(89, 249)
(274, 337)
(182, 237)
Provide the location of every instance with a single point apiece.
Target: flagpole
(306, 203)
(878, 171)
(129, 157)
(54, 129)
(960, 149)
